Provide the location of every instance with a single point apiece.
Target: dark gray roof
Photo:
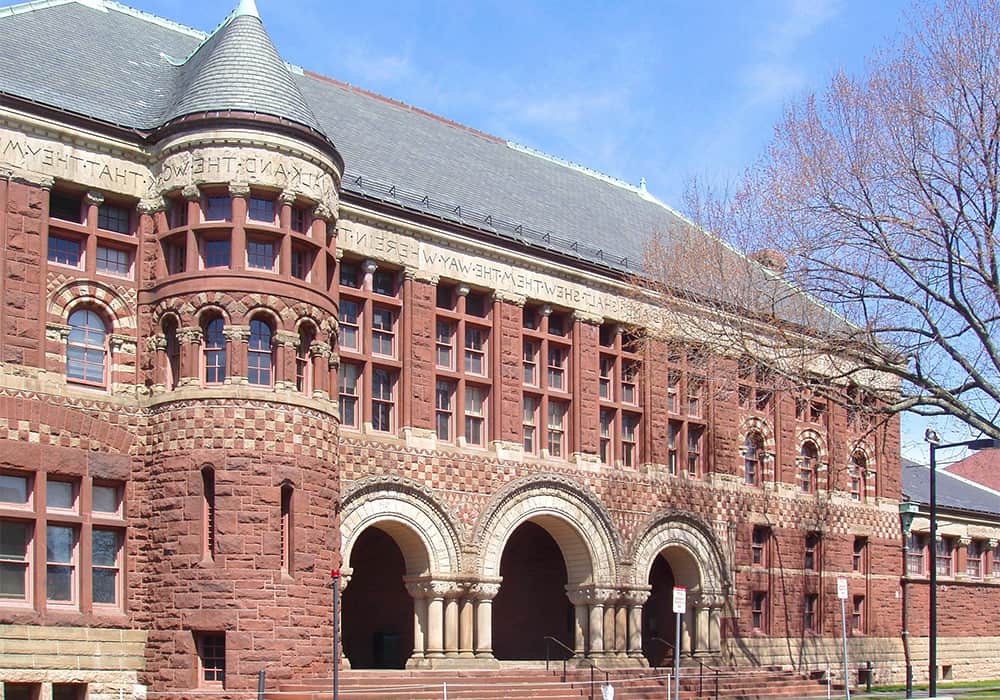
(238, 68)
(952, 491)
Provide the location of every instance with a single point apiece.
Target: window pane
(217, 208)
(13, 489)
(261, 209)
(59, 542)
(260, 254)
(112, 260)
(217, 253)
(59, 494)
(105, 499)
(59, 583)
(12, 580)
(112, 218)
(13, 540)
(105, 548)
(105, 586)
(64, 251)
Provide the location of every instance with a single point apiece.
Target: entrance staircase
(529, 683)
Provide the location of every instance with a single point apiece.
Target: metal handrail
(548, 640)
(668, 644)
(701, 677)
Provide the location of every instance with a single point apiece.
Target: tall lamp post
(907, 511)
(935, 444)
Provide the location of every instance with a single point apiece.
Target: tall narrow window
(383, 332)
(106, 572)
(858, 614)
(87, 348)
(444, 410)
(173, 352)
(856, 472)
(475, 350)
(208, 512)
(915, 559)
(557, 368)
(607, 428)
(808, 459)
(556, 429)
(811, 558)
(529, 424)
(758, 610)
(859, 556)
(529, 354)
(944, 558)
(809, 612)
(630, 439)
(974, 559)
(444, 344)
(758, 546)
(15, 536)
(259, 353)
(475, 415)
(753, 458)
(673, 449)
(350, 333)
(694, 451)
(60, 560)
(348, 377)
(303, 359)
(383, 402)
(214, 345)
(287, 527)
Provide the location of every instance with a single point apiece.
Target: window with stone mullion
(462, 368)
(687, 429)
(552, 374)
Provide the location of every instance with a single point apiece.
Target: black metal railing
(549, 641)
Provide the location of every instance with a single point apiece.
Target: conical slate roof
(237, 68)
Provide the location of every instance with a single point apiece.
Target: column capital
(119, 342)
(587, 317)
(189, 334)
(322, 212)
(191, 192)
(94, 197)
(288, 197)
(418, 275)
(462, 290)
(369, 266)
(635, 597)
(482, 590)
(152, 205)
(964, 541)
(509, 297)
(286, 338)
(239, 189)
(236, 333)
(993, 542)
(320, 349)
(156, 342)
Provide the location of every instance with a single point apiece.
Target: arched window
(259, 353)
(753, 458)
(856, 473)
(808, 459)
(173, 351)
(303, 372)
(87, 348)
(214, 349)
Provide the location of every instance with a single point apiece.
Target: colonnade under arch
(502, 582)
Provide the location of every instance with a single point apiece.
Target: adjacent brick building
(258, 324)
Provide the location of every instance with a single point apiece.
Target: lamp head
(931, 436)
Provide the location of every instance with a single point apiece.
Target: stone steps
(521, 684)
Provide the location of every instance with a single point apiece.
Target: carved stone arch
(688, 532)
(422, 528)
(109, 302)
(762, 427)
(815, 437)
(864, 448)
(261, 311)
(570, 513)
(211, 309)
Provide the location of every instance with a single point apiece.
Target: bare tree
(882, 196)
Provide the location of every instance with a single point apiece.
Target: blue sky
(667, 90)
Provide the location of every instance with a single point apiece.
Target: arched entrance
(680, 549)
(377, 612)
(532, 602)
(673, 567)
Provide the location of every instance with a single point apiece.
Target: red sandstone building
(257, 324)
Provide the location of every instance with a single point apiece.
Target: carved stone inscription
(440, 260)
(250, 165)
(53, 158)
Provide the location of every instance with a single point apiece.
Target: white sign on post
(842, 588)
(680, 599)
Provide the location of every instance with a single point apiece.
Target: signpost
(680, 606)
(842, 594)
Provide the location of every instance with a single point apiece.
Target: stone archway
(680, 549)
(399, 545)
(580, 529)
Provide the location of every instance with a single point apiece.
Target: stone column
(320, 354)
(700, 642)
(621, 628)
(418, 591)
(634, 600)
(687, 629)
(451, 641)
(609, 626)
(190, 338)
(237, 341)
(466, 625)
(239, 193)
(284, 361)
(435, 618)
(581, 622)
(157, 346)
(596, 636)
(484, 593)
(714, 624)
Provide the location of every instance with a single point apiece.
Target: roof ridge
(32, 5)
(147, 16)
(403, 105)
(967, 481)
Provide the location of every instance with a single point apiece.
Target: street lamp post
(935, 444)
(907, 511)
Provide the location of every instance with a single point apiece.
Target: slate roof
(125, 67)
(952, 491)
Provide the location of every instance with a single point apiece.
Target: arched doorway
(673, 567)
(532, 602)
(377, 610)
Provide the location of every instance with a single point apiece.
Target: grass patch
(991, 684)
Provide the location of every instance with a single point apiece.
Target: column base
(453, 662)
